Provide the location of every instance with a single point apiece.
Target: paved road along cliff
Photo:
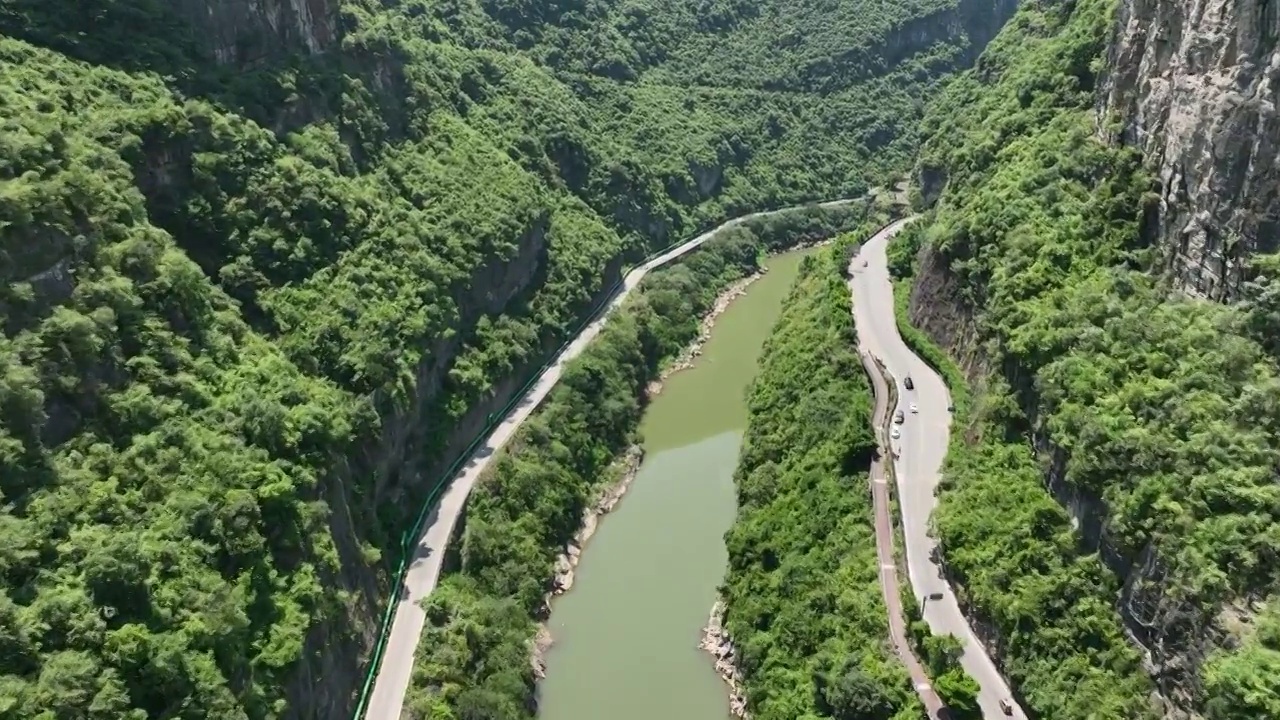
(396, 667)
(882, 505)
(921, 450)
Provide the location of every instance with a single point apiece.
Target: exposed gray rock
(626, 469)
(244, 32)
(716, 641)
(1194, 85)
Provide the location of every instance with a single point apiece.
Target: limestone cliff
(243, 32)
(278, 62)
(976, 20)
(176, 38)
(1194, 84)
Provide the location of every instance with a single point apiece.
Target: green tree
(854, 695)
(959, 691)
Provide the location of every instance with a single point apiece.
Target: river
(626, 635)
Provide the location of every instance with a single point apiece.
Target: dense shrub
(245, 301)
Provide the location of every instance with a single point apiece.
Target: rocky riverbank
(716, 641)
(691, 353)
(626, 467)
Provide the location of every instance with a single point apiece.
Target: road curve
(920, 451)
(396, 668)
(884, 539)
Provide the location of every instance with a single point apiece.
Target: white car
(896, 433)
(914, 409)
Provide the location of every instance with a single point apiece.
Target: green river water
(626, 635)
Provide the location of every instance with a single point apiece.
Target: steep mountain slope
(268, 266)
(1150, 417)
(1195, 86)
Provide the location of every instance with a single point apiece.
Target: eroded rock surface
(1194, 84)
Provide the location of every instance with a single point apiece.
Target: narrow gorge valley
(275, 273)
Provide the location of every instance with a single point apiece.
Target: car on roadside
(909, 385)
(1006, 706)
(896, 433)
(899, 418)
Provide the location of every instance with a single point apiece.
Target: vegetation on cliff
(252, 307)
(1245, 684)
(804, 605)
(1162, 409)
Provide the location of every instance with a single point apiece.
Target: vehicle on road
(899, 418)
(914, 410)
(922, 551)
(951, 408)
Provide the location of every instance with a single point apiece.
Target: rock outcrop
(1194, 85)
(716, 641)
(244, 32)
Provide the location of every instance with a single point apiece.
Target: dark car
(910, 385)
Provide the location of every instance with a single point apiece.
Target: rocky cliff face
(1175, 636)
(398, 459)
(976, 20)
(245, 32)
(1194, 84)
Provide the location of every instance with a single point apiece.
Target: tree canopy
(255, 297)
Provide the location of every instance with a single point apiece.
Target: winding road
(882, 506)
(919, 455)
(396, 668)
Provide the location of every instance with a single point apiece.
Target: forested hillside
(802, 590)
(1120, 477)
(265, 270)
